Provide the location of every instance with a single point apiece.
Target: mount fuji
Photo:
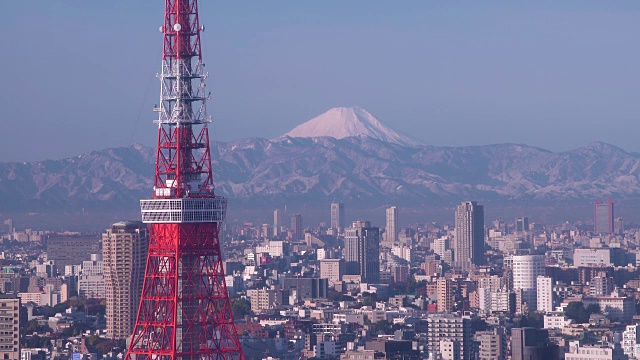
(343, 122)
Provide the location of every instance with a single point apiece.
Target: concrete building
(277, 222)
(296, 227)
(598, 257)
(9, 327)
(449, 327)
(544, 291)
(631, 341)
(92, 287)
(337, 216)
(531, 344)
(493, 344)
(603, 216)
(600, 286)
(522, 224)
(262, 299)
(332, 270)
(556, 320)
(445, 295)
(71, 250)
(124, 254)
(391, 230)
(362, 251)
(526, 269)
(617, 308)
(468, 246)
(595, 352)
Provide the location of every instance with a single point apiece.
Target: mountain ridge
(353, 169)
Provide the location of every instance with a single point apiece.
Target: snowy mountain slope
(354, 169)
(342, 122)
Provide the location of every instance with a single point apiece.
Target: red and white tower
(184, 309)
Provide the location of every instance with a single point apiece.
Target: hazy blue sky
(554, 74)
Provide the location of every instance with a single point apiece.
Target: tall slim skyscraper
(337, 216)
(362, 251)
(522, 224)
(603, 217)
(277, 222)
(296, 227)
(526, 269)
(124, 256)
(469, 242)
(391, 231)
(544, 291)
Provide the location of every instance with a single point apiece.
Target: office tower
(449, 328)
(362, 251)
(296, 227)
(532, 344)
(493, 344)
(277, 222)
(184, 310)
(10, 325)
(445, 295)
(71, 250)
(392, 230)
(526, 269)
(522, 224)
(603, 217)
(544, 291)
(124, 256)
(337, 216)
(469, 242)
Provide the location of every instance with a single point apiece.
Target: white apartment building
(631, 341)
(526, 269)
(544, 291)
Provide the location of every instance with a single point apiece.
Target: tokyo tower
(184, 309)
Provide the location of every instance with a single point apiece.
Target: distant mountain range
(379, 166)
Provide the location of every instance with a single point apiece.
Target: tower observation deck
(184, 309)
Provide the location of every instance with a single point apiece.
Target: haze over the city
(556, 75)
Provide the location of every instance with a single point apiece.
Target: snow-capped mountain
(342, 122)
(312, 170)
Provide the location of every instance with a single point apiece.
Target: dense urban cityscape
(473, 289)
(183, 282)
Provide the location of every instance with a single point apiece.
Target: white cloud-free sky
(80, 75)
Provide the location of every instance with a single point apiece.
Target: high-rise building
(277, 222)
(296, 227)
(603, 217)
(522, 224)
(337, 216)
(332, 269)
(469, 241)
(10, 327)
(449, 328)
(445, 295)
(124, 256)
(392, 230)
(531, 344)
(362, 251)
(544, 291)
(526, 269)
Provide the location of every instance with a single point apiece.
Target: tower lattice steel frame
(184, 309)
